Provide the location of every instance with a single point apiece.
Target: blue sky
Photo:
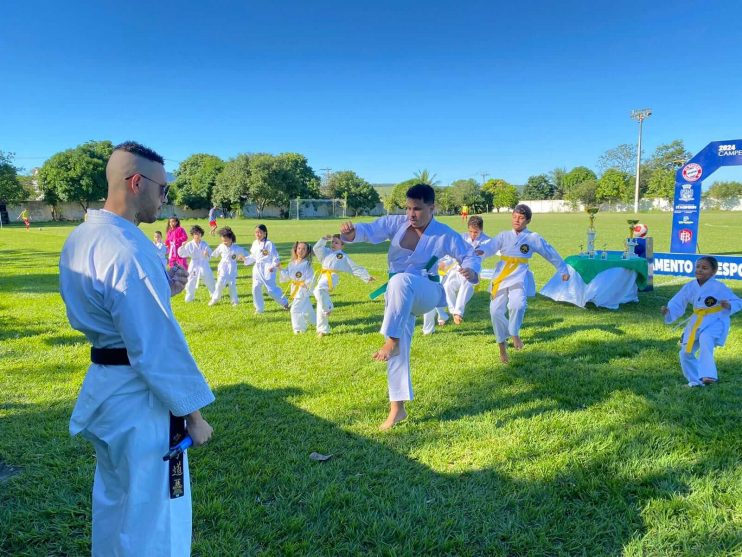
(382, 88)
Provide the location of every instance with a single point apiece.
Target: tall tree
(296, 177)
(621, 158)
(614, 185)
(661, 184)
(195, 179)
(724, 195)
(495, 191)
(669, 156)
(76, 175)
(359, 194)
(556, 177)
(10, 186)
(399, 193)
(574, 178)
(538, 187)
(467, 192)
(232, 186)
(425, 177)
(264, 183)
(584, 192)
(444, 200)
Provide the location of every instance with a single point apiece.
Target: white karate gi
(712, 330)
(459, 290)
(263, 256)
(226, 272)
(301, 276)
(117, 293)
(333, 262)
(512, 292)
(198, 268)
(161, 251)
(410, 292)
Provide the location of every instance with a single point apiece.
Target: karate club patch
(298, 274)
(264, 252)
(339, 256)
(710, 301)
(525, 248)
(234, 256)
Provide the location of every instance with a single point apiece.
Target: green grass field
(588, 443)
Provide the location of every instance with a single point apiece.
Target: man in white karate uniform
(418, 241)
(143, 385)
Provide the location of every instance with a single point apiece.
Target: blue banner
(687, 203)
(682, 264)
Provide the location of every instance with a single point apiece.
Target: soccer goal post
(317, 209)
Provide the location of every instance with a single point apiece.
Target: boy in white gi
(159, 245)
(301, 276)
(226, 273)
(264, 257)
(198, 268)
(440, 314)
(418, 241)
(708, 326)
(459, 290)
(143, 379)
(513, 281)
(333, 260)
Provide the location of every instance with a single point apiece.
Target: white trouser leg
(257, 292)
(406, 296)
(498, 306)
(466, 291)
(191, 285)
(324, 307)
(208, 278)
(689, 365)
(301, 310)
(221, 282)
(233, 291)
(273, 289)
(429, 322)
(517, 304)
(450, 287)
(706, 363)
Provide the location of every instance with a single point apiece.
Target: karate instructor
(142, 388)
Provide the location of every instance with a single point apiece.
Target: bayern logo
(692, 172)
(685, 235)
(640, 230)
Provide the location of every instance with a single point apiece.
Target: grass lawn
(588, 443)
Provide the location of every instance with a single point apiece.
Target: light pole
(640, 116)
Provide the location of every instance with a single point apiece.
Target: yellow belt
(295, 287)
(328, 273)
(511, 264)
(700, 314)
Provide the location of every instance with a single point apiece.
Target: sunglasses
(164, 188)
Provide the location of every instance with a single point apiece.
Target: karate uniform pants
(193, 279)
(261, 278)
(513, 300)
(133, 514)
(324, 307)
(406, 296)
(430, 318)
(458, 293)
(221, 282)
(302, 312)
(702, 365)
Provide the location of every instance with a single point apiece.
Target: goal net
(316, 209)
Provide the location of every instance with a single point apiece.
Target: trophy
(604, 255)
(591, 211)
(630, 241)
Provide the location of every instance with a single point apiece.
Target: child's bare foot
(388, 350)
(517, 343)
(441, 322)
(458, 319)
(503, 352)
(319, 334)
(397, 413)
(708, 380)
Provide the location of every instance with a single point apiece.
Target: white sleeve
(154, 341)
(545, 250)
(275, 260)
(217, 251)
(491, 246)
(186, 250)
(380, 230)
(733, 300)
(678, 303)
(207, 249)
(358, 271)
(463, 252)
(320, 249)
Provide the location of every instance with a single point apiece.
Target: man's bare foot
(458, 319)
(397, 413)
(503, 352)
(388, 350)
(517, 343)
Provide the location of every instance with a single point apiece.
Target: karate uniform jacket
(198, 253)
(338, 262)
(228, 260)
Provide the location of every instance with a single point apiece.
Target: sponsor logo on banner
(692, 172)
(685, 235)
(686, 193)
(685, 220)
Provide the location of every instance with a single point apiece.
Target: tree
(574, 178)
(538, 187)
(399, 193)
(669, 156)
(10, 186)
(499, 193)
(614, 186)
(359, 194)
(444, 200)
(264, 183)
(76, 175)
(466, 192)
(621, 158)
(296, 177)
(556, 177)
(232, 185)
(425, 177)
(724, 195)
(662, 184)
(584, 192)
(195, 179)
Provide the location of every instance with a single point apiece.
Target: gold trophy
(591, 211)
(629, 252)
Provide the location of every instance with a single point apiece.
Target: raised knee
(400, 281)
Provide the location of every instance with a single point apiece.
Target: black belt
(109, 356)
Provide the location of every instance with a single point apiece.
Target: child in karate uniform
(333, 260)
(513, 281)
(708, 326)
(444, 266)
(198, 268)
(301, 276)
(229, 253)
(264, 257)
(160, 247)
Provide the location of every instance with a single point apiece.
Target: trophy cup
(604, 255)
(630, 242)
(591, 211)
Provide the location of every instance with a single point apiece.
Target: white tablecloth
(608, 289)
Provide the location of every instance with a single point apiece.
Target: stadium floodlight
(639, 115)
